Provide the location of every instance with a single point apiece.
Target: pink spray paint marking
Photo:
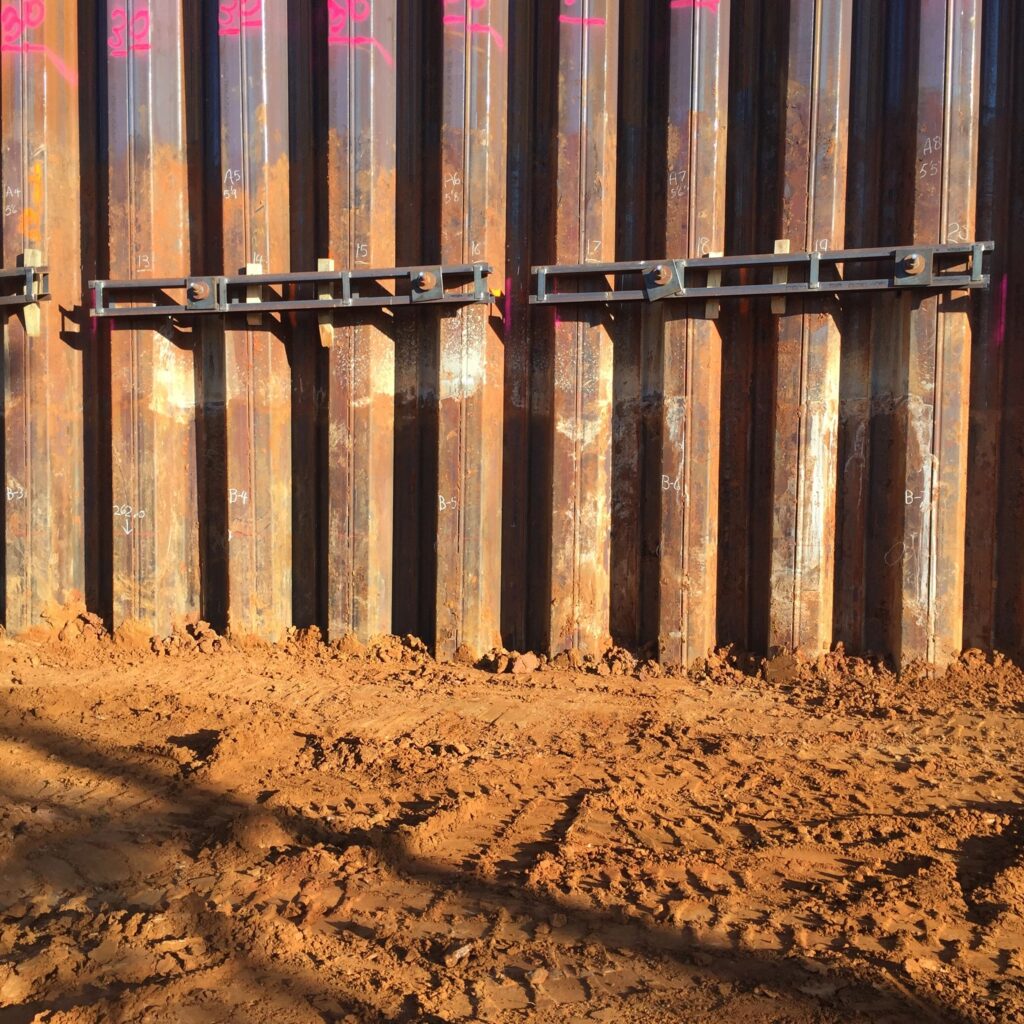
(575, 19)
(708, 5)
(12, 36)
(118, 43)
(470, 26)
(235, 15)
(341, 12)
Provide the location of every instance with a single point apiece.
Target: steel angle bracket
(319, 291)
(24, 286)
(952, 266)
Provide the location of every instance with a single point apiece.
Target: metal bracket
(321, 291)
(919, 266)
(24, 286)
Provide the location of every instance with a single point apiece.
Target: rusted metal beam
(932, 417)
(866, 148)
(996, 187)
(44, 560)
(574, 398)
(254, 179)
(807, 365)
(516, 325)
(153, 372)
(633, 432)
(757, 43)
(361, 149)
(688, 348)
(1010, 571)
(470, 361)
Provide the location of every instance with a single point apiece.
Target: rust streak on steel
(807, 367)
(254, 173)
(153, 379)
(42, 371)
(982, 569)
(470, 360)
(690, 345)
(361, 141)
(928, 619)
(577, 406)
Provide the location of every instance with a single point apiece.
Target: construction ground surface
(205, 830)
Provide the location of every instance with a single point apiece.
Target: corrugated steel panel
(44, 549)
(668, 477)
(361, 190)
(154, 380)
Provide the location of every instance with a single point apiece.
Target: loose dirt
(204, 830)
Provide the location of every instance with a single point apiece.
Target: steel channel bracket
(24, 286)
(918, 266)
(327, 290)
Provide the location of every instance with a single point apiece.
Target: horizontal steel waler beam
(251, 294)
(23, 286)
(918, 266)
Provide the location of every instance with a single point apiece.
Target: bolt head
(913, 264)
(425, 280)
(198, 291)
(662, 274)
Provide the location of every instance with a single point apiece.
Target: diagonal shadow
(196, 805)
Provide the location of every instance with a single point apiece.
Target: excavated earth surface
(204, 830)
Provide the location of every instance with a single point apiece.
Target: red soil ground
(215, 831)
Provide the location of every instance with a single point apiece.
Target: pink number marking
(470, 26)
(709, 5)
(13, 26)
(117, 43)
(340, 12)
(575, 19)
(234, 15)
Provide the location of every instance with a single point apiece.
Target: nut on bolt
(662, 274)
(913, 264)
(198, 291)
(425, 280)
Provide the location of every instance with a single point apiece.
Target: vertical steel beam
(932, 418)
(631, 567)
(516, 323)
(578, 420)
(42, 366)
(807, 368)
(866, 149)
(758, 48)
(361, 146)
(153, 380)
(254, 173)
(690, 346)
(1010, 570)
(470, 360)
(995, 187)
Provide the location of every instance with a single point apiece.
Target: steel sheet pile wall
(44, 556)
(774, 473)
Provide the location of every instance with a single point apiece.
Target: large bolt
(198, 291)
(425, 280)
(662, 274)
(913, 264)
